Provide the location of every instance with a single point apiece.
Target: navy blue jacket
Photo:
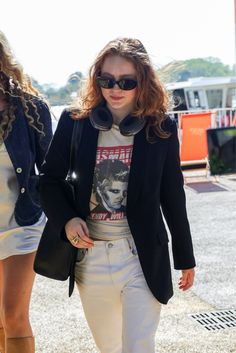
(155, 184)
(27, 148)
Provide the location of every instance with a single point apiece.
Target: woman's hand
(186, 281)
(78, 234)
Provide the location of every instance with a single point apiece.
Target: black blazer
(155, 184)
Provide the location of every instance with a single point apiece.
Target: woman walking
(25, 133)
(125, 274)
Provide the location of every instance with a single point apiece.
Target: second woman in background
(25, 133)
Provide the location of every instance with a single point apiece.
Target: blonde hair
(16, 86)
(152, 99)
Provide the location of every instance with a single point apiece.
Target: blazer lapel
(86, 164)
(137, 169)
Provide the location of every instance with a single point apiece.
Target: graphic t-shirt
(107, 219)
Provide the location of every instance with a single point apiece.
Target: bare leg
(2, 333)
(1, 280)
(17, 283)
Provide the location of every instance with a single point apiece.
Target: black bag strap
(75, 142)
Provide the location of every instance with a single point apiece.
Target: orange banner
(193, 144)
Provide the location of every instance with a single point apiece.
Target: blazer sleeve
(173, 204)
(54, 170)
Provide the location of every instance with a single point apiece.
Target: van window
(215, 98)
(195, 99)
(231, 98)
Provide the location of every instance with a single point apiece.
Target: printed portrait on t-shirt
(110, 183)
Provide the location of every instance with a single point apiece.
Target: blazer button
(19, 170)
(22, 190)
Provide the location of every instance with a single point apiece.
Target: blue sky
(53, 38)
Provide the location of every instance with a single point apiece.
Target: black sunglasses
(125, 84)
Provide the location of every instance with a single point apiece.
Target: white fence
(220, 117)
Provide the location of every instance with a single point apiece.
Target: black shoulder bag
(55, 257)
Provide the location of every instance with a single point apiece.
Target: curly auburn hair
(152, 99)
(16, 86)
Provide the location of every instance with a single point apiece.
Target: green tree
(37, 85)
(73, 81)
(182, 70)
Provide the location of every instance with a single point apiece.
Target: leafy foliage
(182, 70)
(62, 95)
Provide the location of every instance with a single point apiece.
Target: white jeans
(121, 311)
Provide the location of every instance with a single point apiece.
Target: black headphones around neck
(101, 119)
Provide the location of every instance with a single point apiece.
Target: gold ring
(75, 239)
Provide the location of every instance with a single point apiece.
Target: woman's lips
(116, 98)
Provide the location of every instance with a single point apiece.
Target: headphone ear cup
(131, 125)
(101, 118)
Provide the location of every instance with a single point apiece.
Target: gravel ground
(58, 321)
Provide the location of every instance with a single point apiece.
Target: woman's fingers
(186, 281)
(78, 234)
(83, 241)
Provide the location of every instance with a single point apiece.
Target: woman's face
(120, 102)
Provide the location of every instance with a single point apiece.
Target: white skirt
(21, 240)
